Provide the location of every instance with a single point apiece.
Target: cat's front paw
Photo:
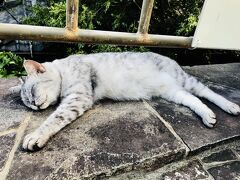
(209, 119)
(232, 108)
(34, 141)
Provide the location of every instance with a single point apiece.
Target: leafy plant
(102, 15)
(55, 16)
(11, 65)
(188, 26)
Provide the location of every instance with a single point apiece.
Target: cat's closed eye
(33, 91)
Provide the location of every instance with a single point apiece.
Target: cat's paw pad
(34, 141)
(209, 119)
(232, 108)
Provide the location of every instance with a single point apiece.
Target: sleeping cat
(80, 80)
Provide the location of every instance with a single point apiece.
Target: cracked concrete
(126, 140)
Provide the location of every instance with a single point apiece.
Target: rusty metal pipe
(72, 15)
(52, 34)
(145, 16)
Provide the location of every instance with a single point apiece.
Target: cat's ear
(33, 67)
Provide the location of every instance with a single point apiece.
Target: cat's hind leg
(181, 96)
(192, 85)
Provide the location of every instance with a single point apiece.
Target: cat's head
(42, 85)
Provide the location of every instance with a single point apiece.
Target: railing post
(145, 17)
(72, 15)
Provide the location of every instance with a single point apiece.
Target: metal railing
(71, 33)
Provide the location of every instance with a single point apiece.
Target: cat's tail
(192, 85)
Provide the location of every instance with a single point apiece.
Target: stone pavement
(127, 140)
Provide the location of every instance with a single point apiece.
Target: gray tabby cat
(81, 80)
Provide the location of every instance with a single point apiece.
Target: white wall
(219, 25)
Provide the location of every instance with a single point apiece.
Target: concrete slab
(111, 138)
(193, 170)
(12, 110)
(225, 74)
(221, 156)
(230, 171)
(6, 144)
(218, 159)
(189, 126)
(5, 84)
(117, 137)
(184, 170)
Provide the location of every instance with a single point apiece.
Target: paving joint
(168, 125)
(214, 145)
(215, 164)
(9, 131)
(19, 135)
(210, 177)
